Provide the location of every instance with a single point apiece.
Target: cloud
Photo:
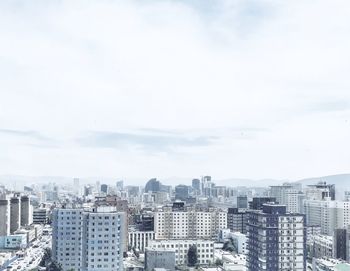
(159, 142)
(249, 88)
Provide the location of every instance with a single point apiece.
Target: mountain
(341, 181)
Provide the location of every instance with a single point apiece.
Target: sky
(141, 89)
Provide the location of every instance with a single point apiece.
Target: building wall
(189, 224)
(5, 217)
(140, 239)
(205, 249)
(159, 258)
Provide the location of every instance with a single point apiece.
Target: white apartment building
(328, 214)
(139, 239)
(190, 223)
(240, 242)
(88, 240)
(205, 249)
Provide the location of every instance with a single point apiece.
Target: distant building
(258, 202)
(196, 185)
(153, 185)
(104, 188)
(242, 202)
(182, 192)
(120, 185)
(320, 191)
(286, 194)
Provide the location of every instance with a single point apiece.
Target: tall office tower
(189, 224)
(242, 202)
(15, 213)
(120, 185)
(196, 185)
(237, 220)
(328, 214)
(88, 240)
(87, 190)
(98, 187)
(104, 188)
(26, 211)
(207, 186)
(320, 191)
(5, 217)
(276, 239)
(153, 185)
(76, 186)
(182, 192)
(258, 202)
(287, 195)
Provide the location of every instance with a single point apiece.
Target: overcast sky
(126, 89)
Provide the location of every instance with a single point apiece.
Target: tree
(219, 262)
(55, 267)
(192, 255)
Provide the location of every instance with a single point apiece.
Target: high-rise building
(76, 186)
(196, 185)
(104, 188)
(237, 220)
(120, 185)
(341, 238)
(328, 214)
(153, 185)
(276, 239)
(5, 217)
(242, 202)
(286, 194)
(88, 240)
(26, 211)
(182, 192)
(15, 213)
(320, 191)
(207, 186)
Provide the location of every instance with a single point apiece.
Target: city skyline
(248, 89)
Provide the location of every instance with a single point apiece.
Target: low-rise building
(205, 249)
(159, 258)
(14, 241)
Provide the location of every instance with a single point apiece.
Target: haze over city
(142, 89)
